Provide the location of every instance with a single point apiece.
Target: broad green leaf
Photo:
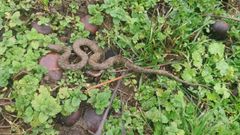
(197, 59)
(188, 74)
(153, 114)
(67, 108)
(63, 93)
(1, 23)
(139, 46)
(42, 117)
(178, 100)
(4, 76)
(207, 75)
(212, 96)
(45, 103)
(43, 20)
(96, 19)
(102, 99)
(75, 102)
(222, 90)
(159, 92)
(28, 114)
(177, 67)
(80, 26)
(94, 9)
(45, 2)
(216, 48)
(15, 19)
(2, 50)
(10, 42)
(223, 67)
(35, 44)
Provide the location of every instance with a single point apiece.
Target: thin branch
(100, 128)
(107, 82)
(5, 101)
(226, 17)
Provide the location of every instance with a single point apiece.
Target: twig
(5, 101)
(168, 63)
(8, 103)
(226, 17)
(159, 65)
(120, 70)
(123, 123)
(104, 83)
(63, 7)
(99, 131)
(3, 127)
(3, 90)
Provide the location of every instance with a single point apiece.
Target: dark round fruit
(219, 30)
(88, 26)
(72, 119)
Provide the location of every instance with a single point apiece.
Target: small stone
(92, 120)
(72, 119)
(50, 61)
(43, 29)
(88, 26)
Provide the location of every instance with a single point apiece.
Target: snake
(94, 60)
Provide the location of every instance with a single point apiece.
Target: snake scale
(94, 59)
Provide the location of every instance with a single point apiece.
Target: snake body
(94, 59)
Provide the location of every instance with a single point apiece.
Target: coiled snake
(94, 59)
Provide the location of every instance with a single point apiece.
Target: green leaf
(118, 14)
(2, 50)
(222, 90)
(156, 116)
(197, 56)
(216, 48)
(43, 20)
(45, 2)
(197, 59)
(102, 99)
(4, 76)
(94, 9)
(178, 100)
(75, 102)
(63, 93)
(67, 107)
(42, 117)
(173, 129)
(189, 74)
(80, 26)
(35, 44)
(99, 100)
(207, 75)
(15, 20)
(96, 19)
(45, 103)
(1, 23)
(212, 96)
(223, 67)
(177, 67)
(28, 114)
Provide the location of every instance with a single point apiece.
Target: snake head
(56, 48)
